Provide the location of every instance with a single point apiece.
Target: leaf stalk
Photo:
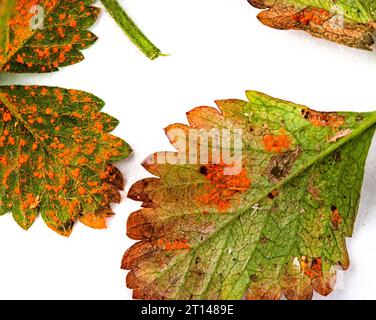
(130, 28)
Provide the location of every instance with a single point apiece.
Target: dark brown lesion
(280, 166)
(260, 4)
(115, 177)
(335, 217)
(273, 194)
(140, 192)
(313, 190)
(323, 119)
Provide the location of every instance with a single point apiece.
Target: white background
(218, 50)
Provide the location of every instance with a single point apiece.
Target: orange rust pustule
(174, 245)
(335, 217)
(313, 268)
(311, 15)
(276, 143)
(321, 119)
(222, 187)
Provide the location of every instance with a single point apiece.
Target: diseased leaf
(55, 146)
(277, 226)
(348, 22)
(55, 156)
(42, 35)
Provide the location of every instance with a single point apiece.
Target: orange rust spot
(22, 159)
(76, 38)
(93, 183)
(7, 116)
(3, 160)
(174, 245)
(275, 143)
(20, 59)
(311, 268)
(98, 126)
(38, 175)
(82, 160)
(273, 194)
(31, 201)
(81, 191)
(322, 119)
(335, 217)
(75, 173)
(222, 187)
(315, 15)
(73, 206)
(61, 32)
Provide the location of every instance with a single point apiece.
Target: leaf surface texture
(276, 228)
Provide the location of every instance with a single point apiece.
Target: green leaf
(55, 155)
(43, 35)
(277, 226)
(348, 22)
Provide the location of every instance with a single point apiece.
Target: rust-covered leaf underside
(348, 22)
(43, 35)
(55, 157)
(276, 227)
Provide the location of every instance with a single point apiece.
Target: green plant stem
(131, 30)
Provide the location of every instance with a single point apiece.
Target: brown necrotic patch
(335, 217)
(312, 268)
(318, 22)
(280, 165)
(273, 194)
(323, 119)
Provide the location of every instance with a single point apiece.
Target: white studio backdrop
(218, 50)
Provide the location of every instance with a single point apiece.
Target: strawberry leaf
(55, 155)
(348, 22)
(43, 35)
(277, 226)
